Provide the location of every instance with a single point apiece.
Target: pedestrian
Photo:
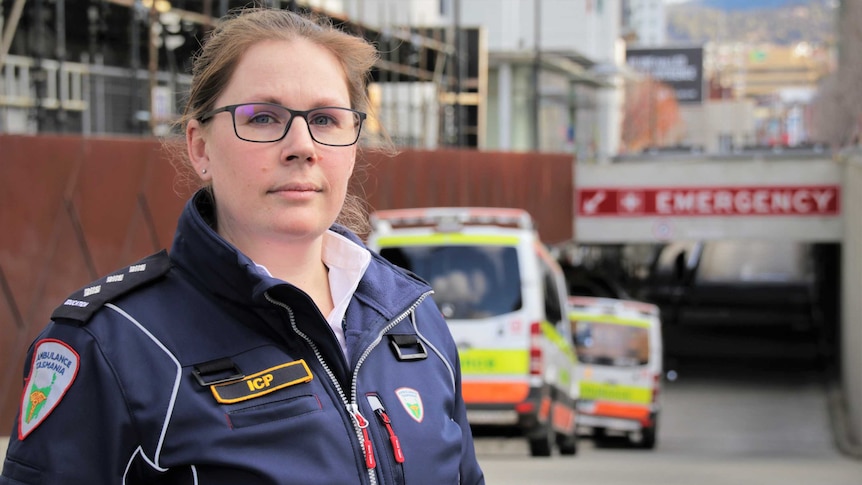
(269, 346)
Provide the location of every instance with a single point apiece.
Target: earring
(204, 171)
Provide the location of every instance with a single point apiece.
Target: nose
(298, 141)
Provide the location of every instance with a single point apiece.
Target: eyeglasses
(269, 122)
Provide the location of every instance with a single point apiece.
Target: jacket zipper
(383, 417)
(373, 345)
(352, 410)
(354, 381)
(368, 448)
(360, 424)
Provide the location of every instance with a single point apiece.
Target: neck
(300, 264)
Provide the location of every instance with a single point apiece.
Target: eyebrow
(323, 102)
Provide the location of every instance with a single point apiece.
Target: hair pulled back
(238, 31)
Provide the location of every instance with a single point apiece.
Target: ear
(196, 144)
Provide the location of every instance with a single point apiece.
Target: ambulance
(619, 349)
(504, 298)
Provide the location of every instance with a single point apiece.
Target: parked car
(588, 282)
(740, 299)
(504, 298)
(735, 283)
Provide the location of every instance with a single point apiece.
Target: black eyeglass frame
(231, 108)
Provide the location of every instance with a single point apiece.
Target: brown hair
(235, 33)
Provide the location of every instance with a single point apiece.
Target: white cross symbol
(631, 201)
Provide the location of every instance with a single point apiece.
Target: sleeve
(73, 425)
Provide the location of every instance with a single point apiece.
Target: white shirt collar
(347, 262)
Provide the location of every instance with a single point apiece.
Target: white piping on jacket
(154, 462)
(436, 351)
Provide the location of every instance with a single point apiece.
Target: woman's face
(286, 191)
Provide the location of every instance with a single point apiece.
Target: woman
(270, 347)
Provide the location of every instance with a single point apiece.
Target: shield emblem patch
(412, 402)
(54, 368)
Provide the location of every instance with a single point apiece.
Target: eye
(322, 119)
(263, 118)
(259, 114)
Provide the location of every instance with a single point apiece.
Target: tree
(650, 114)
(838, 108)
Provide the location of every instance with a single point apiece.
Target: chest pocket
(282, 404)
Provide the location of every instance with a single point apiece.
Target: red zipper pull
(393, 438)
(384, 418)
(370, 462)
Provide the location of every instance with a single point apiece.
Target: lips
(296, 187)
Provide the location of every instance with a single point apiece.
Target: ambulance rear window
(469, 282)
(611, 344)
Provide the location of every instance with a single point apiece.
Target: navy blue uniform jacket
(195, 369)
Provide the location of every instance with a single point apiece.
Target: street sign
(766, 200)
(694, 200)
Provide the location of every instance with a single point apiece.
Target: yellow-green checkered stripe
(558, 340)
(494, 361)
(595, 391)
(587, 317)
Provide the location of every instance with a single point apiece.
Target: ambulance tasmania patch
(412, 402)
(54, 368)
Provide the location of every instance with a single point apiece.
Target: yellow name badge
(263, 382)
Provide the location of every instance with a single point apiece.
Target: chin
(301, 229)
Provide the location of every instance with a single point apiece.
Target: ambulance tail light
(525, 408)
(536, 349)
(656, 387)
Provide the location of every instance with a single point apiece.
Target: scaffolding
(121, 67)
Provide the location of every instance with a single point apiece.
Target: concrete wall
(704, 124)
(851, 318)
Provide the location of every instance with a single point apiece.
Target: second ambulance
(619, 348)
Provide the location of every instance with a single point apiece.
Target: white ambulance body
(619, 349)
(504, 299)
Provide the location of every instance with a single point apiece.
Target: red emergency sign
(808, 200)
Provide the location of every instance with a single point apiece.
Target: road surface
(750, 427)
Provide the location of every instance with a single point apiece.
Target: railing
(102, 99)
(64, 83)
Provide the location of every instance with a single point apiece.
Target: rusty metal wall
(540, 183)
(73, 209)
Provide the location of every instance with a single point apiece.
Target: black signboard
(680, 68)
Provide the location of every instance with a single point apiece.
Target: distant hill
(780, 22)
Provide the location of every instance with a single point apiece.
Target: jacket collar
(212, 261)
(219, 267)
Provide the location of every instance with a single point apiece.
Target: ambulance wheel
(647, 438)
(568, 444)
(599, 434)
(543, 442)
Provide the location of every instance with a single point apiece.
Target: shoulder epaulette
(82, 304)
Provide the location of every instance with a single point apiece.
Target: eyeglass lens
(266, 122)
